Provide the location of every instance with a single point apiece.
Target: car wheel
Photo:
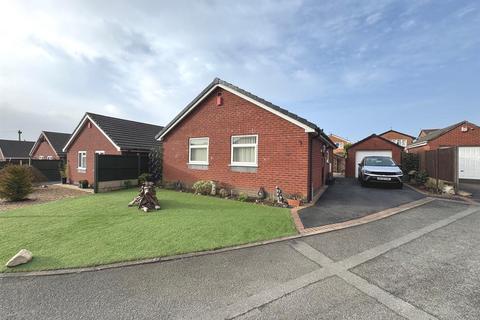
(363, 183)
(400, 185)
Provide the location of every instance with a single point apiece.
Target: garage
(373, 145)
(469, 163)
(360, 154)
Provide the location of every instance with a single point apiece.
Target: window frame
(202, 146)
(79, 161)
(232, 146)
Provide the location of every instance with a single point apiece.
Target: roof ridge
(133, 121)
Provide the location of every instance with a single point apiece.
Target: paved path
(420, 264)
(346, 200)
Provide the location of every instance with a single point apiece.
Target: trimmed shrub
(37, 175)
(15, 182)
(202, 187)
(410, 162)
(242, 197)
(421, 177)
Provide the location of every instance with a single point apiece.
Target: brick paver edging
(305, 233)
(294, 211)
(368, 218)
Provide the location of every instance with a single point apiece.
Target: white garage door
(469, 162)
(359, 155)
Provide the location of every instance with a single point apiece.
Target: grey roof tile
(127, 134)
(15, 148)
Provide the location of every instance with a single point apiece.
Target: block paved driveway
(346, 200)
(420, 264)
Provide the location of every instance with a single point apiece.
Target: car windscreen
(379, 162)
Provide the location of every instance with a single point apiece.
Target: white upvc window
(198, 150)
(402, 142)
(49, 158)
(339, 145)
(244, 151)
(99, 152)
(41, 157)
(82, 159)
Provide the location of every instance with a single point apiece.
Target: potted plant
(63, 173)
(295, 200)
(83, 184)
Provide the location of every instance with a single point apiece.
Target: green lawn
(100, 229)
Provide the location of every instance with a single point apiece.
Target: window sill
(243, 168)
(197, 166)
(243, 165)
(81, 170)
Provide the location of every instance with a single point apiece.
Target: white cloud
(146, 60)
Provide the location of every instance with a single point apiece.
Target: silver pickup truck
(376, 169)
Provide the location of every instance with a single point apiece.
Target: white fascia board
(415, 145)
(79, 128)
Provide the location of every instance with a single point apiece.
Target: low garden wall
(106, 186)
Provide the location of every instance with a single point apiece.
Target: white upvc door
(469, 162)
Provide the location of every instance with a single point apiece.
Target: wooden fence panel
(440, 164)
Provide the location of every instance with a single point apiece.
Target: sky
(352, 67)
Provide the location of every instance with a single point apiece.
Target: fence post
(456, 182)
(437, 165)
(138, 164)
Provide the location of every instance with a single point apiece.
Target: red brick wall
(395, 135)
(89, 140)
(318, 165)
(282, 147)
(44, 149)
(453, 138)
(373, 143)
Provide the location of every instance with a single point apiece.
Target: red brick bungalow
(231, 136)
(49, 146)
(463, 134)
(373, 145)
(105, 135)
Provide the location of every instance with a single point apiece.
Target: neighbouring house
(49, 146)
(340, 143)
(99, 134)
(338, 162)
(398, 137)
(244, 142)
(464, 135)
(424, 132)
(373, 145)
(15, 151)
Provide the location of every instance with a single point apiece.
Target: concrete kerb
(306, 233)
